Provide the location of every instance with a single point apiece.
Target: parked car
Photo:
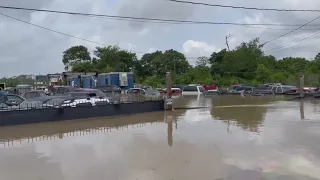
(284, 89)
(152, 93)
(92, 92)
(94, 97)
(10, 99)
(236, 87)
(174, 91)
(20, 89)
(85, 102)
(41, 102)
(60, 90)
(59, 102)
(193, 90)
(136, 91)
(109, 89)
(33, 94)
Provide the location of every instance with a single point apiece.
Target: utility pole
(227, 42)
(175, 72)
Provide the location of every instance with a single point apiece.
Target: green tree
(262, 73)
(115, 58)
(75, 54)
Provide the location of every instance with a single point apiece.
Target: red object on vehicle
(174, 91)
(210, 87)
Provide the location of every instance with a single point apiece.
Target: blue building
(83, 81)
(122, 79)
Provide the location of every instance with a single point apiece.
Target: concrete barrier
(18, 117)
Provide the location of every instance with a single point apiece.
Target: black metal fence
(46, 112)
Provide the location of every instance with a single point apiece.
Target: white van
(193, 90)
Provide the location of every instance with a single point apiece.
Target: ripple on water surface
(232, 138)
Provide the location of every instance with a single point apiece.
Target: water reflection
(248, 117)
(301, 109)
(168, 120)
(52, 131)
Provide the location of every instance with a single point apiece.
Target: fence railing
(77, 102)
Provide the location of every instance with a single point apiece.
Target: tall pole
(227, 42)
(168, 103)
(301, 86)
(175, 72)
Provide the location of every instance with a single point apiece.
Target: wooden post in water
(301, 86)
(301, 109)
(168, 120)
(168, 103)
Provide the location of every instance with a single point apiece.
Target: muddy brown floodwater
(230, 138)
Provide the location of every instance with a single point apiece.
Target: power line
(62, 33)
(282, 46)
(149, 19)
(243, 7)
(275, 50)
(72, 36)
(290, 31)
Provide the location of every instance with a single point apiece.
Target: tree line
(246, 63)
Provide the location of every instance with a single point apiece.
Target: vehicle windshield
(31, 95)
(234, 87)
(23, 89)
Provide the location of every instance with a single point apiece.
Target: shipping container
(103, 79)
(88, 81)
(122, 79)
(73, 81)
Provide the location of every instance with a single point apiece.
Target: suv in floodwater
(193, 90)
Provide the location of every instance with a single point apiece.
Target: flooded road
(229, 138)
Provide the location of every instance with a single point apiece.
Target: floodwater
(229, 138)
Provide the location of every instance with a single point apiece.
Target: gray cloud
(25, 49)
(155, 9)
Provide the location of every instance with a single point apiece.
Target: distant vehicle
(60, 90)
(87, 93)
(136, 91)
(85, 102)
(10, 99)
(108, 89)
(247, 89)
(152, 92)
(284, 89)
(33, 94)
(309, 89)
(20, 89)
(41, 102)
(193, 90)
(174, 91)
(180, 86)
(235, 88)
(59, 102)
(211, 88)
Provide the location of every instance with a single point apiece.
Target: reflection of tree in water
(250, 117)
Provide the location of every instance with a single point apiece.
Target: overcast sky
(25, 49)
